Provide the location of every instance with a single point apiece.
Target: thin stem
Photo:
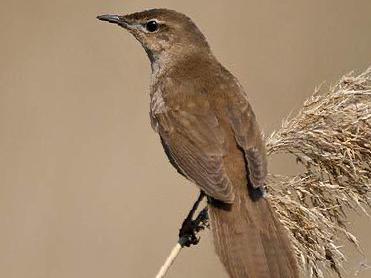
(169, 261)
(187, 234)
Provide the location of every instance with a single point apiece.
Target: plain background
(85, 187)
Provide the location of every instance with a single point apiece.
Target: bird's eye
(152, 26)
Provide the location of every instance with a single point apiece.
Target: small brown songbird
(210, 135)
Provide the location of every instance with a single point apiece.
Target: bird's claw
(190, 228)
(188, 233)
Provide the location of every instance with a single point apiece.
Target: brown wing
(249, 138)
(194, 143)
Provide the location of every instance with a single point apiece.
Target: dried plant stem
(187, 233)
(169, 261)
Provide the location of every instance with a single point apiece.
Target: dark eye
(152, 26)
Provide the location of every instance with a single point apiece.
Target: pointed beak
(116, 19)
(110, 18)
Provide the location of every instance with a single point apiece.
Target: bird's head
(162, 33)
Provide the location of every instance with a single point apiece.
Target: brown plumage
(211, 136)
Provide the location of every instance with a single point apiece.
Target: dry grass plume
(331, 138)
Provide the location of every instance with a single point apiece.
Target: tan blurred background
(85, 188)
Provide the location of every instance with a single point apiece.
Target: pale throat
(160, 63)
(168, 57)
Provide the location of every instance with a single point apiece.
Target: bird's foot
(191, 227)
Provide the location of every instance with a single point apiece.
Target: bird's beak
(116, 19)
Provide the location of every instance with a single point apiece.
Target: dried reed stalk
(331, 138)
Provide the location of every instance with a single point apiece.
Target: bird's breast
(157, 104)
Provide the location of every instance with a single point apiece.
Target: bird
(211, 136)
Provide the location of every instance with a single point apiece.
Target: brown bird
(210, 135)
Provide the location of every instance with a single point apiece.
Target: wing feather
(194, 142)
(250, 139)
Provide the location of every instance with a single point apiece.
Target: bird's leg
(190, 227)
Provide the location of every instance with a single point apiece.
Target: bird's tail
(250, 241)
